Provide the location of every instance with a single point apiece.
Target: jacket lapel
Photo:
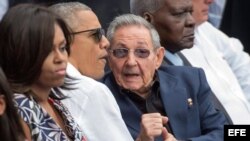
(174, 98)
(166, 61)
(129, 111)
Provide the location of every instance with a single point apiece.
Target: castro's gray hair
(139, 7)
(68, 10)
(131, 19)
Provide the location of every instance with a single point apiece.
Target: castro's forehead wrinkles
(131, 36)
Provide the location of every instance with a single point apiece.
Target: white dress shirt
(231, 49)
(225, 65)
(94, 108)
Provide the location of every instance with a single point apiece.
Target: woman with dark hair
(34, 46)
(10, 127)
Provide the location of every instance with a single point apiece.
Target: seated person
(177, 29)
(10, 126)
(34, 46)
(225, 63)
(168, 103)
(91, 103)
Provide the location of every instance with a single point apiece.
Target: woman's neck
(41, 92)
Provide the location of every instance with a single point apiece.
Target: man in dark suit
(157, 104)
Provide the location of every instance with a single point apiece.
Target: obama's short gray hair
(68, 10)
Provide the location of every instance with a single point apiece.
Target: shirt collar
(174, 58)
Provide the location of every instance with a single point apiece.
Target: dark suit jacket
(199, 121)
(215, 100)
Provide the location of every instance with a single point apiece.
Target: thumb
(164, 120)
(164, 133)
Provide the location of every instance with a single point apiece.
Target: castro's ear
(159, 56)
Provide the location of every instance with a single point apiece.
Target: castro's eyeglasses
(97, 33)
(123, 52)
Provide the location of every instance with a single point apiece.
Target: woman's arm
(26, 130)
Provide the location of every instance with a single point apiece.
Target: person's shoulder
(106, 77)
(88, 87)
(109, 80)
(187, 77)
(212, 32)
(207, 25)
(178, 69)
(92, 82)
(78, 80)
(181, 72)
(27, 107)
(22, 100)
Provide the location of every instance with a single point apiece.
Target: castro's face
(134, 70)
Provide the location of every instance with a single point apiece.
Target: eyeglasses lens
(98, 34)
(123, 52)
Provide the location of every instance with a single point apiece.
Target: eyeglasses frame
(100, 30)
(111, 50)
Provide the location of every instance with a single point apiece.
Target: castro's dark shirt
(152, 103)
